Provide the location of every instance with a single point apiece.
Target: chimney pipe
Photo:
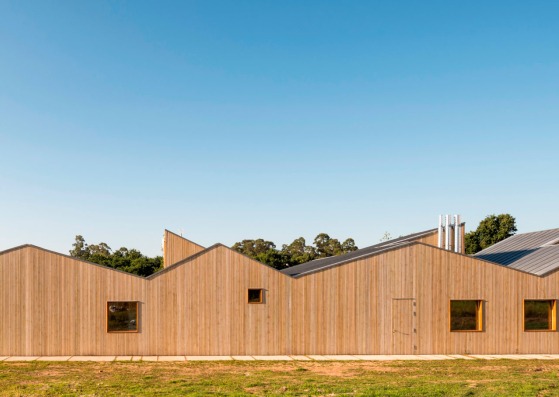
(447, 233)
(440, 231)
(456, 232)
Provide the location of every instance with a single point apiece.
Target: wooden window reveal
(466, 315)
(255, 295)
(122, 316)
(539, 315)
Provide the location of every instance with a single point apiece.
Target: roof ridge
(349, 260)
(181, 262)
(184, 238)
(410, 244)
(255, 260)
(384, 244)
(515, 236)
(17, 247)
(536, 231)
(70, 257)
(205, 251)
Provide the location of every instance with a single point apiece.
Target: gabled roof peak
(323, 263)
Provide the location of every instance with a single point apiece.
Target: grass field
(370, 378)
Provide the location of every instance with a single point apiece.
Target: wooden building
(403, 296)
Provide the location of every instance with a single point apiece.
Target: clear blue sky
(245, 119)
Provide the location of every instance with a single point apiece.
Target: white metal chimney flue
(440, 231)
(450, 225)
(456, 232)
(447, 233)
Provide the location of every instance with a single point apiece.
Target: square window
(255, 295)
(122, 316)
(539, 315)
(466, 315)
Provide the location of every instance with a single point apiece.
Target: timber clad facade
(394, 301)
(176, 248)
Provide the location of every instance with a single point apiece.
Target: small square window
(122, 316)
(255, 295)
(539, 315)
(466, 315)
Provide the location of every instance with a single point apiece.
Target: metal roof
(319, 264)
(536, 253)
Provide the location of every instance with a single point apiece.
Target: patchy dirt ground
(298, 378)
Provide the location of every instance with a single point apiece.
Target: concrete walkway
(287, 358)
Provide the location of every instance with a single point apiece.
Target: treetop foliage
(295, 253)
(127, 260)
(491, 230)
(133, 261)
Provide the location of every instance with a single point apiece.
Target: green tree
(295, 253)
(124, 259)
(101, 249)
(298, 252)
(491, 230)
(349, 246)
(80, 249)
(253, 248)
(326, 246)
(273, 258)
(263, 251)
(100, 253)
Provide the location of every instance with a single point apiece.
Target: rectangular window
(539, 315)
(122, 316)
(255, 295)
(466, 315)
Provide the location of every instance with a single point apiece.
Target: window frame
(261, 301)
(480, 324)
(552, 313)
(137, 330)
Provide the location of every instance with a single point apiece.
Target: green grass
(396, 378)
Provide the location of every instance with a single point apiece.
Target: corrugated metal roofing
(319, 264)
(529, 252)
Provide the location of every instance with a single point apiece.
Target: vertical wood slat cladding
(403, 324)
(176, 248)
(430, 239)
(56, 305)
(51, 304)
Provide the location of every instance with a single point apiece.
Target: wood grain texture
(403, 326)
(430, 239)
(176, 248)
(51, 304)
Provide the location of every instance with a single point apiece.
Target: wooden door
(403, 326)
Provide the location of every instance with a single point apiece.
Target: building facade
(404, 296)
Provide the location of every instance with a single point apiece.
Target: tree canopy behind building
(127, 260)
(133, 261)
(491, 230)
(295, 253)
